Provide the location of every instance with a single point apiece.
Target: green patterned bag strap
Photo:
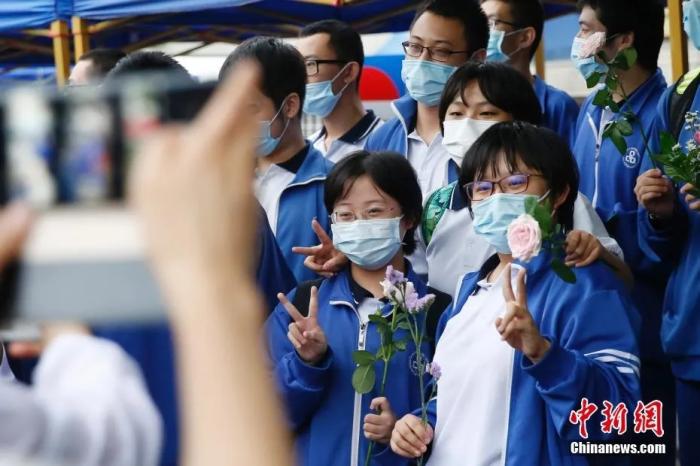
(437, 204)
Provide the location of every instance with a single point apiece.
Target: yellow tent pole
(540, 60)
(679, 43)
(61, 51)
(81, 37)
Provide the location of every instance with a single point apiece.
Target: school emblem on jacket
(413, 362)
(631, 158)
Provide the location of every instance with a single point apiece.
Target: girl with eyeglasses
(477, 96)
(521, 350)
(376, 206)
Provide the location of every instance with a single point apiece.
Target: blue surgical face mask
(266, 143)
(494, 50)
(586, 66)
(691, 21)
(425, 79)
(492, 217)
(370, 244)
(320, 100)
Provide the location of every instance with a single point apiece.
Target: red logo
(648, 417)
(614, 419)
(582, 416)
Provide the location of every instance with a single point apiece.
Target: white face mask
(461, 134)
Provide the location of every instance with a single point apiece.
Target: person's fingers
(291, 310)
(307, 250)
(311, 264)
(25, 349)
(315, 335)
(335, 263)
(401, 447)
(374, 420)
(421, 430)
(380, 404)
(522, 289)
(512, 328)
(507, 287)
(687, 188)
(297, 333)
(511, 312)
(650, 197)
(15, 221)
(296, 343)
(313, 303)
(408, 441)
(572, 241)
(321, 233)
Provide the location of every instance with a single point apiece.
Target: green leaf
(363, 379)
(530, 205)
(667, 142)
(400, 345)
(611, 81)
(630, 57)
(617, 138)
(564, 272)
(404, 325)
(602, 98)
(363, 358)
(594, 79)
(624, 127)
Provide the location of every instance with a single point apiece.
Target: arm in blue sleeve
(301, 385)
(595, 357)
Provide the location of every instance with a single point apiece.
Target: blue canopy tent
(33, 32)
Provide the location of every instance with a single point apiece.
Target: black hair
(103, 60)
(502, 86)
(390, 172)
(645, 18)
(148, 62)
(343, 39)
(538, 148)
(469, 13)
(527, 13)
(283, 69)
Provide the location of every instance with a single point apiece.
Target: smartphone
(68, 154)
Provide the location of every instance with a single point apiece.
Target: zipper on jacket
(357, 406)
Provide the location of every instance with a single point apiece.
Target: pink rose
(696, 137)
(524, 237)
(593, 43)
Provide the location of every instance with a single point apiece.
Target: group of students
(431, 192)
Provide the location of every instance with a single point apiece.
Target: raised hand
(324, 258)
(516, 326)
(411, 437)
(304, 332)
(378, 427)
(655, 193)
(582, 249)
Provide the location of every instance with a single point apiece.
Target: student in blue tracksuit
(535, 344)
(608, 177)
(376, 204)
(334, 58)
(516, 30)
(477, 96)
(670, 233)
(290, 172)
(444, 35)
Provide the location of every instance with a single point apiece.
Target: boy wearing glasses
(516, 31)
(444, 35)
(290, 171)
(334, 56)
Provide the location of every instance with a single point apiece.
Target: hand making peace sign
(304, 332)
(517, 326)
